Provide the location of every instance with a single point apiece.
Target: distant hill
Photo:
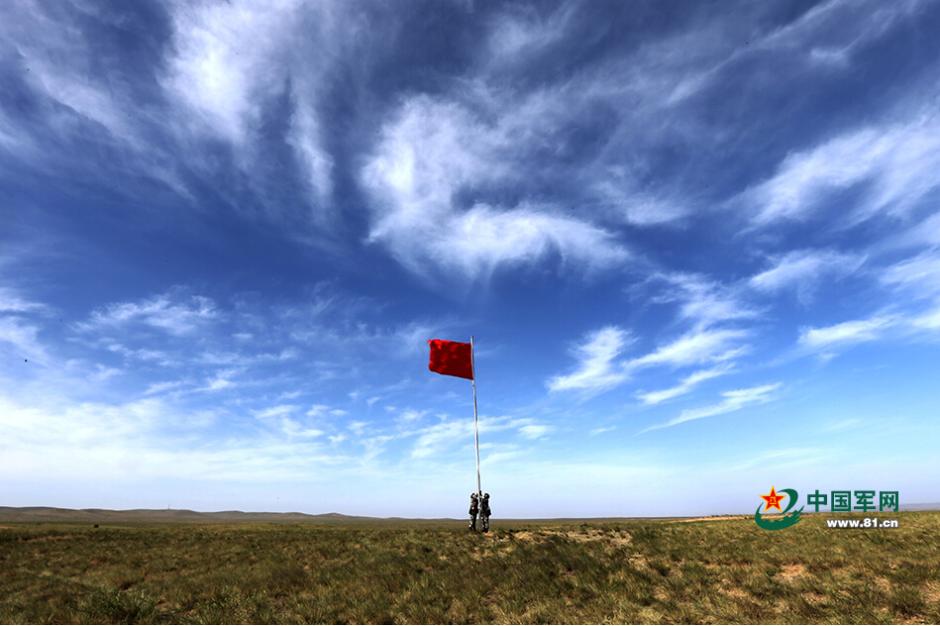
(158, 516)
(921, 506)
(53, 514)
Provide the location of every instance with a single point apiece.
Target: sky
(697, 245)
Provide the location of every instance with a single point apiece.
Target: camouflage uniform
(474, 509)
(485, 512)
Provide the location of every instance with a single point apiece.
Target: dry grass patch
(932, 592)
(629, 571)
(713, 518)
(792, 571)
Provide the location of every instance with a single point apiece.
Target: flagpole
(476, 422)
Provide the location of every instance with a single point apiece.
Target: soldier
(485, 512)
(474, 509)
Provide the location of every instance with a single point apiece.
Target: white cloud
(437, 438)
(412, 338)
(478, 241)
(318, 410)
(854, 331)
(141, 354)
(831, 32)
(702, 301)
(786, 457)
(410, 415)
(927, 321)
(845, 424)
(102, 373)
(696, 347)
(228, 85)
(215, 73)
(280, 417)
(920, 275)
(521, 31)
(826, 37)
(600, 430)
(222, 380)
(927, 232)
(733, 400)
(801, 269)
(82, 97)
(161, 312)
(306, 140)
(24, 337)
(11, 301)
(434, 439)
(597, 368)
(293, 428)
(280, 410)
(685, 386)
(898, 161)
(534, 431)
(161, 387)
(141, 439)
(435, 150)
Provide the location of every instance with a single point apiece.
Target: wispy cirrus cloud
(436, 150)
(825, 37)
(787, 457)
(534, 431)
(230, 89)
(898, 162)
(800, 270)
(279, 410)
(221, 381)
(324, 410)
(23, 336)
(703, 301)
(601, 366)
(521, 31)
(918, 275)
(732, 401)
(847, 333)
(166, 312)
(706, 305)
(696, 347)
(685, 386)
(12, 301)
(148, 438)
(445, 435)
(598, 368)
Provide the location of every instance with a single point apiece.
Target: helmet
(486, 495)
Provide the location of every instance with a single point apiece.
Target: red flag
(452, 358)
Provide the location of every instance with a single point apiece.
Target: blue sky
(698, 245)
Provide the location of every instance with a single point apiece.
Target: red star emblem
(773, 500)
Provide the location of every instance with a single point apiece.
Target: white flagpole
(476, 422)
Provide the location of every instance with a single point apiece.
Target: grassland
(357, 571)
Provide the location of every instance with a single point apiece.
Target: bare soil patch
(619, 538)
(792, 571)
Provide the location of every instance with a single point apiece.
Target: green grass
(523, 572)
